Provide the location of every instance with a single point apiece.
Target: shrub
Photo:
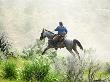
(27, 72)
(36, 70)
(9, 70)
(34, 49)
(5, 45)
(108, 68)
(40, 70)
(52, 77)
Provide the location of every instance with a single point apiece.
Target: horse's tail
(78, 43)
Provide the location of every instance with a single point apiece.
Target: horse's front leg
(45, 50)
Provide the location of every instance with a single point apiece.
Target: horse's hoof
(56, 48)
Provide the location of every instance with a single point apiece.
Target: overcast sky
(86, 20)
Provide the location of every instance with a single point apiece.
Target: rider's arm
(57, 29)
(66, 30)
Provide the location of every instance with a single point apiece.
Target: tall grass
(9, 70)
(27, 72)
(35, 70)
(40, 70)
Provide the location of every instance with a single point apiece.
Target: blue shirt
(61, 30)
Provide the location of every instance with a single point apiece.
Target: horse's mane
(49, 31)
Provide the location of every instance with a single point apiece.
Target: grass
(28, 69)
(18, 62)
(38, 69)
(9, 70)
(7, 80)
(35, 70)
(27, 72)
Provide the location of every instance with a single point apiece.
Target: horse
(69, 44)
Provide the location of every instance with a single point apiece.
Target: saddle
(59, 39)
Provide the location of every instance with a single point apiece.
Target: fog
(86, 20)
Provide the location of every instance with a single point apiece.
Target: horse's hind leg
(71, 52)
(75, 49)
(77, 53)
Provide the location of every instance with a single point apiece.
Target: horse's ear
(43, 30)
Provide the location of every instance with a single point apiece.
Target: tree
(5, 45)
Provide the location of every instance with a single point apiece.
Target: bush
(53, 77)
(34, 49)
(108, 68)
(5, 45)
(36, 70)
(27, 72)
(40, 70)
(9, 70)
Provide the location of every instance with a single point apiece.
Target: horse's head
(46, 33)
(42, 36)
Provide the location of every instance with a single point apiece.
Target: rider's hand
(55, 32)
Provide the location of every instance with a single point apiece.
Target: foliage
(52, 77)
(108, 68)
(35, 70)
(36, 49)
(9, 70)
(27, 72)
(92, 70)
(76, 69)
(40, 70)
(49, 68)
(5, 45)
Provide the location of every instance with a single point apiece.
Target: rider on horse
(62, 31)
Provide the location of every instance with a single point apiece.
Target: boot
(55, 45)
(56, 48)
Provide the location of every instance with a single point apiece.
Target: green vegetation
(35, 70)
(5, 45)
(9, 70)
(31, 66)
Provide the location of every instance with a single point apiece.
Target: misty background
(86, 20)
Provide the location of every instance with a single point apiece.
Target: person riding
(62, 31)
